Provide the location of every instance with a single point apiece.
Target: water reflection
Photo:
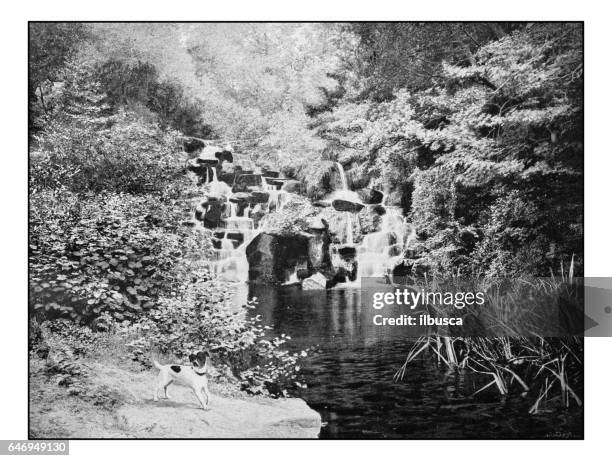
(350, 377)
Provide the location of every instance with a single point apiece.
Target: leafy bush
(198, 318)
(119, 153)
(115, 253)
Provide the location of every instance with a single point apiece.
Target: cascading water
(342, 174)
(380, 251)
(375, 255)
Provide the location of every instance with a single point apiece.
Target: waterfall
(293, 277)
(343, 180)
(381, 251)
(350, 239)
(267, 187)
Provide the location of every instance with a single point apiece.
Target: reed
(519, 350)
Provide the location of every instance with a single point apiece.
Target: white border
(13, 393)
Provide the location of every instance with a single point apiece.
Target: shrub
(120, 153)
(115, 253)
(198, 318)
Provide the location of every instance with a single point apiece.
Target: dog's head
(200, 359)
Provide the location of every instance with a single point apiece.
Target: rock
(270, 173)
(191, 145)
(275, 183)
(240, 197)
(270, 256)
(207, 161)
(208, 153)
(233, 235)
(370, 196)
(227, 177)
(316, 281)
(224, 156)
(218, 243)
(230, 416)
(411, 268)
(292, 186)
(345, 272)
(202, 171)
(236, 235)
(379, 210)
(345, 205)
(214, 212)
(258, 196)
(213, 198)
(243, 181)
(319, 258)
(347, 251)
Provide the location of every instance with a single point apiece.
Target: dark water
(350, 377)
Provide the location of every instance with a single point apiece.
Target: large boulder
(316, 281)
(270, 256)
(370, 196)
(347, 205)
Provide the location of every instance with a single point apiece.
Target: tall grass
(525, 345)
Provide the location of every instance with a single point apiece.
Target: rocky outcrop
(232, 415)
(316, 281)
(347, 205)
(271, 255)
(244, 181)
(370, 196)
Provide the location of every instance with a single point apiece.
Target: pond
(350, 375)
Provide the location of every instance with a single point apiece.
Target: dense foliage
(489, 159)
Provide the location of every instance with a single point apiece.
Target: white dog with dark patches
(194, 377)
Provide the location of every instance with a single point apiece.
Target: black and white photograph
(333, 230)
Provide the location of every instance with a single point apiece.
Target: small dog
(194, 377)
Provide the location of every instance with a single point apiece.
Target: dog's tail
(156, 364)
